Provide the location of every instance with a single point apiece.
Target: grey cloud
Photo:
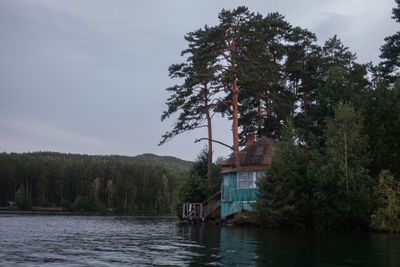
(328, 24)
(90, 76)
(36, 135)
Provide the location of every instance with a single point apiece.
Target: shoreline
(59, 211)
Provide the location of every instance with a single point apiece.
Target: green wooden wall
(232, 199)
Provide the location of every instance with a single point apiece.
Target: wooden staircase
(212, 209)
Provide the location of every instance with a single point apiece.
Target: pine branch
(215, 141)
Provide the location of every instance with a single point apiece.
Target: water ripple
(65, 240)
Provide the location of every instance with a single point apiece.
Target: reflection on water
(164, 241)
(260, 247)
(238, 247)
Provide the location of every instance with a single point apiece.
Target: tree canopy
(344, 115)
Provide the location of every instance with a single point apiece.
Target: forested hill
(169, 162)
(91, 182)
(178, 165)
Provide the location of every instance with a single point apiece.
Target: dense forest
(91, 183)
(339, 163)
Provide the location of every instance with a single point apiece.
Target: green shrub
(387, 215)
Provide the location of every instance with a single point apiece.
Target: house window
(246, 180)
(249, 179)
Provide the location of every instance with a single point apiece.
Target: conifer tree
(303, 73)
(390, 51)
(195, 98)
(341, 80)
(233, 32)
(265, 103)
(285, 192)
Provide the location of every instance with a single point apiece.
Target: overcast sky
(89, 76)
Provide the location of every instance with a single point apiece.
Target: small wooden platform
(193, 212)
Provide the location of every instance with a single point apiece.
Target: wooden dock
(193, 212)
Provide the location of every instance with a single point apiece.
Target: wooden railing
(192, 210)
(208, 199)
(195, 210)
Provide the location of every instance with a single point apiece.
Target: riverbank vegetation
(338, 165)
(90, 183)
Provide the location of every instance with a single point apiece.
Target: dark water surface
(39, 239)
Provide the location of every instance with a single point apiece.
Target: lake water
(38, 239)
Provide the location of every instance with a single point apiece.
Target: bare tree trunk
(345, 158)
(268, 110)
(235, 124)
(209, 147)
(304, 93)
(235, 97)
(209, 129)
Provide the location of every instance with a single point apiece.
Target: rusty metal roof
(255, 156)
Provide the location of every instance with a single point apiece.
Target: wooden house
(239, 185)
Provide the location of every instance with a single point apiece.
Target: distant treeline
(90, 183)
